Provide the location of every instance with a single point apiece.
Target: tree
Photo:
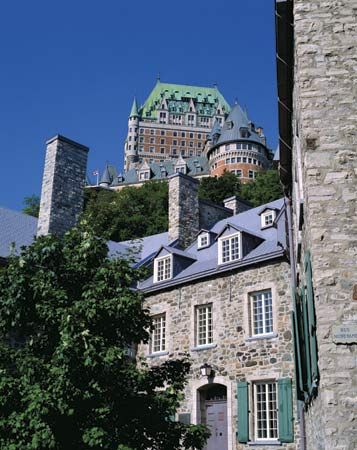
(264, 189)
(216, 189)
(67, 317)
(133, 212)
(32, 205)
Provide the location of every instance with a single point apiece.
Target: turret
(131, 144)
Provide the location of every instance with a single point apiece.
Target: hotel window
(267, 218)
(251, 174)
(250, 146)
(174, 151)
(162, 268)
(250, 160)
(182, 143)
(199, 136)
(162, 150)
(239, 159)
(233, 160)
(151, 149)
(141, 130)
(174, 142)
(227, 147)
(261, 313)
(228, 160)
(191, 144)
(152, 132)
(175, 133)
(191, 135)
(199, 145)
(158, 334)
(141, 139)
(183, 134)
(162, 132)
(244, 159)
(204, 326)
(229, 248)
(265, 411)
(162, 141)
(152, 140)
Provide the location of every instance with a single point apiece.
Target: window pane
(204, 325)
(158, 338)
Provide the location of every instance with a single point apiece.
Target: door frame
(196, 385)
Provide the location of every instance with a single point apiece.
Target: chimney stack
(236, 204)
(62, 185)
(183, 209)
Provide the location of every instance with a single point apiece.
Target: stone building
(317, 60)
(174, 120)
(220, 292)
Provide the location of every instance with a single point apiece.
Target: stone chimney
(237, 204)
(183, 209)
(62, 185)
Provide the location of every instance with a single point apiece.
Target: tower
(131, 143)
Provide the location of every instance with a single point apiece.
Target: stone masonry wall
(62, 185)
(210, 214)
(183, 209)
(325, 119)
(233, 355)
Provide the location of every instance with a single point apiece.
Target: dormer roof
(239, 228)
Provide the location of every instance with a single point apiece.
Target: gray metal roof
(231, 130)
(196, 165)
(16, 230)
(206, 264)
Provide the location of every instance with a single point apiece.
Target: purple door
(216, 417)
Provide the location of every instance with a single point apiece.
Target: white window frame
(230, 239)
(271, 435)
(203, 237)
(265, 215)
(162, 334)
(207, 310)
(156, 268)
(267, 296)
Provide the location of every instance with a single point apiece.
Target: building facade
(316, 47)
(221, 294)
(174, 120)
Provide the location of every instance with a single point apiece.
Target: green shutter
(285, 413)
(242, 408)
(297, 356)
(311, 321)
(307, 379)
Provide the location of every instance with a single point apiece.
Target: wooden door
(216, 417)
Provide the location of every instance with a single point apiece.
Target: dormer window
(203, 240)
(163, 268)
(144, 175)
(268, 218)
(229, 248)
(180, 169)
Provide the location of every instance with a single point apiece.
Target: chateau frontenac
(191, 130)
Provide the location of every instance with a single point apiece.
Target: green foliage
(216, 189)
(32, 205)
(67, 317)
(264, 189)
(133, 212)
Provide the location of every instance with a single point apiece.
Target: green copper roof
(134, 109)
(177, 96)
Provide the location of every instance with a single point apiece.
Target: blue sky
(73, 67)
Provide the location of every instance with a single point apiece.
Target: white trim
(156, 261)
(199, 240)
(264, 215)
(220, 247)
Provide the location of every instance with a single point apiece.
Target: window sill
(203, 347)
(157, 354)
(263, 443)
(259, 337)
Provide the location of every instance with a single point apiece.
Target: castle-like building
(191, 130)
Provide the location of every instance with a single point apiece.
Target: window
(141, 130)
(152, 140)
(175, 133)
(174, 142)
(182, 143)
(199, 136)
(265, 410)
(158, 335)
(204, 328)
(227, 147)
(162, 141)
(261, 313)
(191, 144)
(162, 132)
(151, 149)
(251, 174)
(141, 139)
(162, 150)
(229, 248)
(203, 240)
(152, 132)
(191, 135)
(144, 175)
(183, 134)
(268, 218)
(162, 268)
